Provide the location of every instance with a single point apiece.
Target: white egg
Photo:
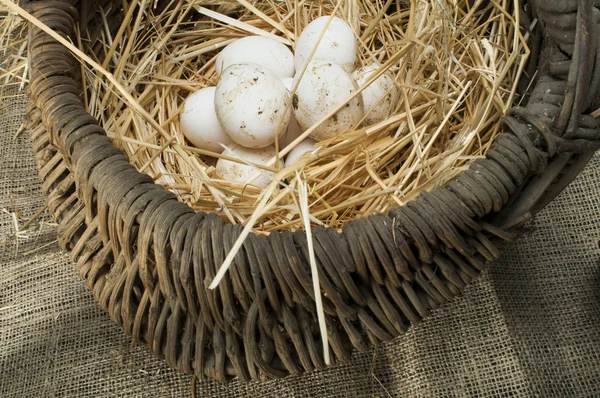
(199, 121)
(250, 102)
(288, 82)
(337, 45)
(378, 102)
(242, 173)
(259, 50)
(300, 150)
(294, 130)
(324, 87)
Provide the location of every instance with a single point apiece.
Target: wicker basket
(148, 258)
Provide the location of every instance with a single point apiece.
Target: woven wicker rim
(149, 258)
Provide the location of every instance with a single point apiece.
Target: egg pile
(248, 109)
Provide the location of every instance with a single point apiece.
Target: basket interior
(457, 67)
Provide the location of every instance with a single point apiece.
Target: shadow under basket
(148, 258)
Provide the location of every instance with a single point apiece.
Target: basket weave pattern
(149, 258)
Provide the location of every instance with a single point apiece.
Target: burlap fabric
(530, 326)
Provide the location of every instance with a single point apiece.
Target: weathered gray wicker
(148, 258)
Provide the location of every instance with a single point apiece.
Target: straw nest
(456, 63)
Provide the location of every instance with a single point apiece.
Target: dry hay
(456, 63)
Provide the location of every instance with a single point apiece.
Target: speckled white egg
(199, 121)
(250, 102)
(377, 101)
(337, 45)
(306, 146)
(323, 88)
(294, 130)
(258, 50)
(241, 173)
